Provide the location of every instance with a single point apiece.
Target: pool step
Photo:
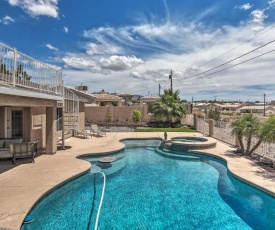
(182, 156)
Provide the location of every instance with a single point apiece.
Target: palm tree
(169, 106)
(266, 133)
(249, 126)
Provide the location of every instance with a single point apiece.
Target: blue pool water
(147, 191)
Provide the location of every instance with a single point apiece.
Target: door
(15, 123)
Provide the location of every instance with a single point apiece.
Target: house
(258, 109)
(104, 98)
(30, 95)
(146, 100)
(128, 98)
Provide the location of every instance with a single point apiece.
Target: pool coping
(20, 194)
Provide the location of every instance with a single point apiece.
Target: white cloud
(78, 62)
(104, 48)
(156, 38)
(186, 49)
(66, 29)
(258, 16)
(37, 7)
(7, 20)
(51, 47)
(246, 6)
(271, 3)
(120, 63)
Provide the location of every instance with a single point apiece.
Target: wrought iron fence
(20, 70)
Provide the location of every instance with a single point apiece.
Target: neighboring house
(147, 100)
(128, 98)
(30, 94)
(104, 98)
(230, 107)
(259, 109)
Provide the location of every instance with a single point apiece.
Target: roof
(107, 97)
(125, 94)
(83, 96)
(230, 105)
(256, 107)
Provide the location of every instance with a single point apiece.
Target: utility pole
(192, 105)
(159, 89)
(170, 77)
(264, 104)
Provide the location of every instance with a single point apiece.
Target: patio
(21, 186)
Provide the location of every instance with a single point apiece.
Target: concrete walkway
(23, 185)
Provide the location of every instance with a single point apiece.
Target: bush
(136, 116)
(164, 124)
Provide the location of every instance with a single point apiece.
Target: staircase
(70, 112)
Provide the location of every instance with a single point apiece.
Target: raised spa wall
(187, 146)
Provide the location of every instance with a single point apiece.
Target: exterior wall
(35, 119)
(38, 125)
(117, 113)
(27, 124)
(81, 115)
(51, 141)
(11, 100)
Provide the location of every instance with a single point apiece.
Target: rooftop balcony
(21, 73)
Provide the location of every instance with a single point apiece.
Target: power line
(234, 65)
(259, 34)
(234, 59)
(217, 56)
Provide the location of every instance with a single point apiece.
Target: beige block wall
(96, 113)
(118, 113)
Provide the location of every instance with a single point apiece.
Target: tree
(169, 106)
(21, 73)
(249, 126)
(266, 133)
(214, 114)
(3, 68)
(136, 116)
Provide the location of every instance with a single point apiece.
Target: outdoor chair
(82, 133)
(96, 130)
(24, 150)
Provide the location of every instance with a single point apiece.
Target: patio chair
(96, 130)
(24, 150)
(82, 133)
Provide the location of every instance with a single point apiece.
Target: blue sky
(131, 46)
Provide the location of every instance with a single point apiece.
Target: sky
(216, 49)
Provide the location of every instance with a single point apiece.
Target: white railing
(20, 70)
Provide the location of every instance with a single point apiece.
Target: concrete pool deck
(22, 186)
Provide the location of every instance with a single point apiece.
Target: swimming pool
(148, 191)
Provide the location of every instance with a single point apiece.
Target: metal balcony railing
(20, 70)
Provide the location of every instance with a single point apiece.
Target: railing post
(195, 121)
(211, 127)
(14, 66)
